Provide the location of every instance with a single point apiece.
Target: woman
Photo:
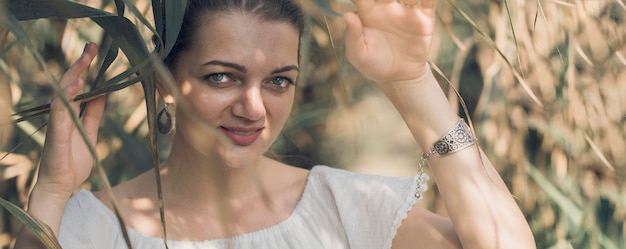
(235, 64)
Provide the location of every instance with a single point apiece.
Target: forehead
(239, 37)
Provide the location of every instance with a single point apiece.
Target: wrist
(418, 76)
(48, 206)
(49, 193)
(423, 106)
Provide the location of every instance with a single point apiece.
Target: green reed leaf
(571, 210)
(40, 229)
(149, 88)
(157, 11)
(114, 84)
(120, 6)
(174, 14)
(130, 42)
(24, 10)
(133, 9)
(110, 48)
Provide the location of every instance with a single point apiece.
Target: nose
(250, 105)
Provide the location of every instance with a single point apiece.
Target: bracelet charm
(456, 139)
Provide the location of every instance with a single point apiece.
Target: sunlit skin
(237, 78)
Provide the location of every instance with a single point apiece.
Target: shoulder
(87, 223)
(85, 204)
(358, 186)
(370, 207)
(384, 209)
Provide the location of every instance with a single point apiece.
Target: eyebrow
(285, 69)
(227, 64)
(243, 69)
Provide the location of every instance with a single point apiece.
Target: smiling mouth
(242, 136)
(243, 133)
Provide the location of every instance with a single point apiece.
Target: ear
(164, 92)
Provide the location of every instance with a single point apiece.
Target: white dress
(338, 209)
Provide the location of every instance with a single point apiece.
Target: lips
(242, 136)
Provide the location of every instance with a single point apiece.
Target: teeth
(242, 133)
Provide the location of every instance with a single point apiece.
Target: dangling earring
(164, 121)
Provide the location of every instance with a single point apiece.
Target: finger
(428, 4)
(59, 115)
(93, 116)
(353, 36)
(80, 66)
(363, 5)
(91, 50)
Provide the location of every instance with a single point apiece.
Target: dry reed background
(563, 155)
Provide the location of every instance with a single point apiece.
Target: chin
(239, 157)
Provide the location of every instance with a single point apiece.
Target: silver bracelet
(456, 139)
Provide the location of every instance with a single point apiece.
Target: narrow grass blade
(519, 59)
(545, 19)
(325, 8)
(40, 229)
(133, 9)
(45, 109)
(491, 43)
(31, 135)
(599, 153)
(150, 93)
(7, 48)
(85, 97)
(11, 23)
(571, 211)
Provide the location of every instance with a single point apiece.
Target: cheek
(208, 105)
(280, 108)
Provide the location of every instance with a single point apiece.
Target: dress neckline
(272, 229)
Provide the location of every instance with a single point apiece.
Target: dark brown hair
(197, 10)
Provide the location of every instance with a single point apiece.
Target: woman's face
(238, 76)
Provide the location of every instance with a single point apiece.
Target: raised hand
(66, 161)
(389, 40)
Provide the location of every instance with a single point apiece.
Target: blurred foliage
(563, 159)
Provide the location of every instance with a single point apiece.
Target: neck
(192, 176)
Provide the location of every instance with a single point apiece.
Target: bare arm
(66, 162)
(389, 42)
(483, 213)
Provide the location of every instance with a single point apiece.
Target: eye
(280, 82)
(218, 79)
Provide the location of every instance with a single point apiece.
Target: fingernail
(87, 45)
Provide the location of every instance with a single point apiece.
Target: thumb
(353, 35)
